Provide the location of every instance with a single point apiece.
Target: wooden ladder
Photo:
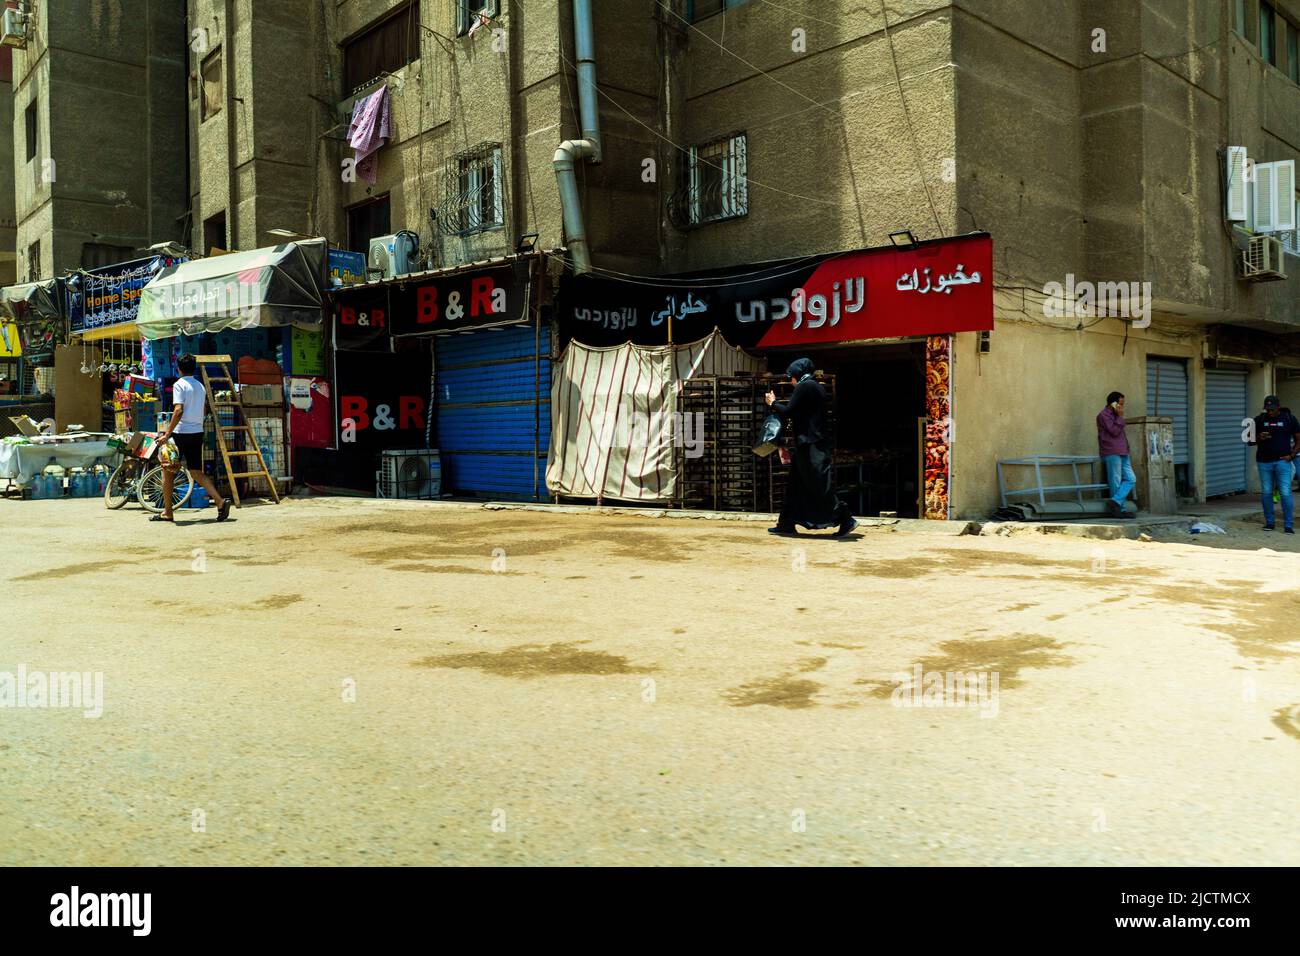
(249, 450)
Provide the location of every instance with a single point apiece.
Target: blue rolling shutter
(1167, 396)
(487, 406)
(1225, 452)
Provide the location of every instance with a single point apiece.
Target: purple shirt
(1111, 439)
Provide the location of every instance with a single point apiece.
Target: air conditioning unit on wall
(392, 255)
(13, 29)
(1261, 260)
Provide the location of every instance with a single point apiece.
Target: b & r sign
(465, 301)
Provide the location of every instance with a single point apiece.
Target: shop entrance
(880, 401)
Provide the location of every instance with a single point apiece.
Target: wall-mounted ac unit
(13, 28)
(410, 473)
(392, 255)
(1261, 260)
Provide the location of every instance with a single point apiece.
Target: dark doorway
(879, 400)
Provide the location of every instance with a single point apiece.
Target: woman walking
(810, 499)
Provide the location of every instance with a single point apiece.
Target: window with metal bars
(475, 191)
(714, 185)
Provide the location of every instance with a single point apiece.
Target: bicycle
(134, 478)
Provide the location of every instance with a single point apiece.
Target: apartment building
(98, 133)
(1092, 142)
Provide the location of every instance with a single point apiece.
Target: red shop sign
(934, 289)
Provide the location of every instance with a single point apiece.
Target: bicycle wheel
(151, 487)
(121, 486)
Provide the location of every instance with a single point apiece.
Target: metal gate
(493, 397)
(1225, 452)
(1167, 396)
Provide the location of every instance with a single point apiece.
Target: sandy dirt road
(535, 688)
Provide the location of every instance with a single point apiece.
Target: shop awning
(32, 300)
(274, 286)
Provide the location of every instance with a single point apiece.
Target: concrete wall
(110, 163)
(832, 160)
(1103, 163)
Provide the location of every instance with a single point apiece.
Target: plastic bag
(1204, 527)
(768, 433)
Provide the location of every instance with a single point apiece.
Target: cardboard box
(262, 395)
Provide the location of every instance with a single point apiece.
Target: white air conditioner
(392, 255)
(1261, 260)
(410, 473)
(13, 28)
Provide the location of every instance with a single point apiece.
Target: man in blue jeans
(1112, 442)
(1275, 451)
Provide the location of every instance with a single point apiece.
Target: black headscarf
(799, 368)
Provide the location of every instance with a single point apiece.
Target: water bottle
(100, 484)
(53, 478)
(77, 483)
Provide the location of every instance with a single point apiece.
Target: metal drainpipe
(588, 148)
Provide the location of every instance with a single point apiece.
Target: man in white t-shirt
(186, 428)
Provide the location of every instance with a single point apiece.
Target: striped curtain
(614, 415)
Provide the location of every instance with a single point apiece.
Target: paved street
(353, 681)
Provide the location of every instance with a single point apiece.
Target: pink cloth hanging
(369, 130)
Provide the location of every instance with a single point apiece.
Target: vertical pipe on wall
(570, 151)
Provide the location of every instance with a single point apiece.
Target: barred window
(476, 194)
(716, 180)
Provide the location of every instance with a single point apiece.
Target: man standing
(810, 499)
(1112, 442)
(1275, 451)
(186, 427)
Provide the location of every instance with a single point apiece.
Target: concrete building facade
(1090, 140)
(99, 140)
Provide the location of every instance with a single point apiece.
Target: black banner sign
(467, 300)
(937, 287)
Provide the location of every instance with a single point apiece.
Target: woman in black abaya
(810, 499)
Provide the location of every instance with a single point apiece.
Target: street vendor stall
(262, 308)
(23, 459)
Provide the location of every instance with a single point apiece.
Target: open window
(468, 11)
(212, 87)
(382, 48)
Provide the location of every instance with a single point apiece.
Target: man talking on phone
(1112, 442)
(1276, 444)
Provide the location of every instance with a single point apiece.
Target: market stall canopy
(274, 286)
(32, 300)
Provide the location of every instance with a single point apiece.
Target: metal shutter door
(1225, 452)
(1167, 396)
(486, 395)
